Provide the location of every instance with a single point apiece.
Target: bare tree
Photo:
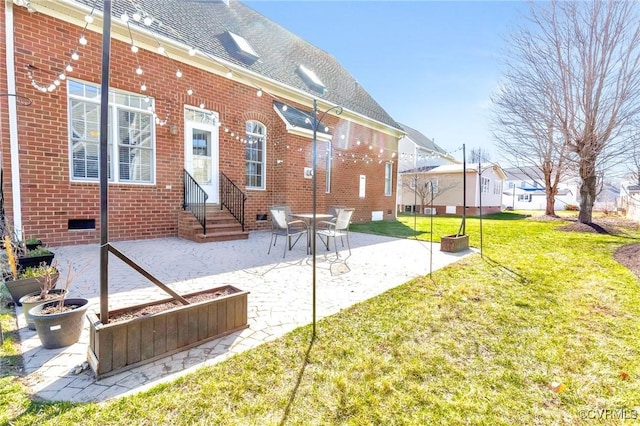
(424, 186)
(582, 70)
(479, 155)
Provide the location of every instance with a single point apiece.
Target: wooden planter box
(454, 243)
(121, 345)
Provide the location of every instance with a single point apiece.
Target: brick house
(210, 89)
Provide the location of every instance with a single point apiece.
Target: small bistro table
(308, 218)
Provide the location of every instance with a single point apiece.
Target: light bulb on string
(178, 73)
(192, 51)
(75, 56)
(202, 105)
(82, 40)
(139, 70)
(62, 76)
(259, 93)
(229, 74)
(134, 48)
(143, 87)
(51, 87)
(136, 17)
(124, 17)
(88, 19)
(189, 91)
(69, 68)
(160, 49)
(148, 20)
(284, 107)
(56, 82)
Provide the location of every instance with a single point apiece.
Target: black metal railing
(232, 198)
(195, 200)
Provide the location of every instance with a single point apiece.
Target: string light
(192, 51)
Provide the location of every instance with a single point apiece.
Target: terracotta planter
(454, 243)
(32, 300)
(122, 345)
(57, 330)
(21, 287)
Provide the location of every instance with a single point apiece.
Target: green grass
(479, 344)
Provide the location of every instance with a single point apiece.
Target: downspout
(13, 121)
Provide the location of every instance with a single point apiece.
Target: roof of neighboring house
(422, 169)
(457, 168)
(421, 140)
(264, 48)
(523, 173)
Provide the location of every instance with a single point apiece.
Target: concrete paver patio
(280, 298)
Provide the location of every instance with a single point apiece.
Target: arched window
(255, 155)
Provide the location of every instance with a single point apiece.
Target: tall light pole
(315, 122)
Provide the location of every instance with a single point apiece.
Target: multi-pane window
(255, 155)
(485, 185)
(388, 178)
(434, 186)
(524, 197)
(497, 187)
(131, 138)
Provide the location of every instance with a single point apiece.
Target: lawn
(542, 329)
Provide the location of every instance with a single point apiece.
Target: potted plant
(59, 323)
(22, 281)
(47, 277)
(32, 243)
(35, 257)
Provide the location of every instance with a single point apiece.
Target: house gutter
(16, 199)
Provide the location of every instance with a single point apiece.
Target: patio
(280, 298)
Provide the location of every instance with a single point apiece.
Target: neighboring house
(629, 200)
(524, 190)
(207, 89)
(417, 152)
(483, 189)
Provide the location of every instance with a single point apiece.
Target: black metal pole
(431, 230)
(313, 207)
(464, 191)
(480, 202)
(104, 176)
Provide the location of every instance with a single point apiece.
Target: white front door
(201, 150)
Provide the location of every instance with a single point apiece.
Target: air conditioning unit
(430, 211)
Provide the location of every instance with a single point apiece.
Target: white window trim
(388, 179)
(264, 159)
(113, 135)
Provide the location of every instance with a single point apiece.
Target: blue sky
(431, 65)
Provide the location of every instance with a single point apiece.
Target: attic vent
(242, 47)
(311, 79)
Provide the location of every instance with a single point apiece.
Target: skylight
(243, 47)
(311, 79)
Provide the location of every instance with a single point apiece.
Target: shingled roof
(421, 140)
(206, 24)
